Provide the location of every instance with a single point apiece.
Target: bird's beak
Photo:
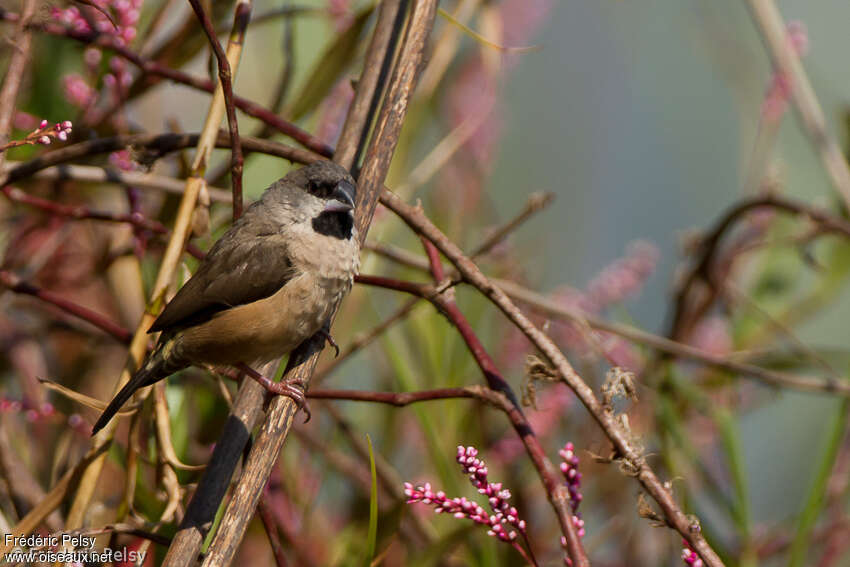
(342, 198)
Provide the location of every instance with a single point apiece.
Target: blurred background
(645, 120)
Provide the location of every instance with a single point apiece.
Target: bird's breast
(271, 327)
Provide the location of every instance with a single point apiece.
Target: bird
(268, 284)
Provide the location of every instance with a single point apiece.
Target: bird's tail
(160, 364)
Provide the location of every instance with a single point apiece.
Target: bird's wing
(236, 271)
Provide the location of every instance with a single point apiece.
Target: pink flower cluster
(624, 277)
(44, 134)
(117, 18)
(114, 17)
(689, 556)
(123, 160)
(32, 414)
(504, 523)
(333, 111)
(42, 412)
(77, 90)
(569, 468)
(341, 13)
(779, 90)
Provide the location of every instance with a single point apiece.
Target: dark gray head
(321, 194)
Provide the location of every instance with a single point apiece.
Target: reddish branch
(225, 75)
(155, 146)
(82, 212)
(14, 283)
(270, 525)
(401, 399)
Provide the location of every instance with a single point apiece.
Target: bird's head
(322, 194)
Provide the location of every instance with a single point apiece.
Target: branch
(96, 174)
(13, 283)
(156, 145)
(401, 399)
(545, 305)
(703, 270)
(241, 17)
(270, 525)
(81, 212)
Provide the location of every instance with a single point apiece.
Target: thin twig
(536, 202)
(96, 174)
(362, 341)
(270, 525)
(13, 283)
(155, 145)
(81, 211)
(241, 17)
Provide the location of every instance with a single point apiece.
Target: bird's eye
(320, 189)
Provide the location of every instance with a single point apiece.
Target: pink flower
(712, 334)
(504, 523)
(77, 91)
(689, 556)
(569, 468)
(122, 160)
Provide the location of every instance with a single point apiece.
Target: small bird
(268, 284)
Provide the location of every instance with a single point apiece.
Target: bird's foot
(325, 333)
(288, 389)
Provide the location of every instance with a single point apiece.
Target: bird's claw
(325, 333)
(288, 389)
